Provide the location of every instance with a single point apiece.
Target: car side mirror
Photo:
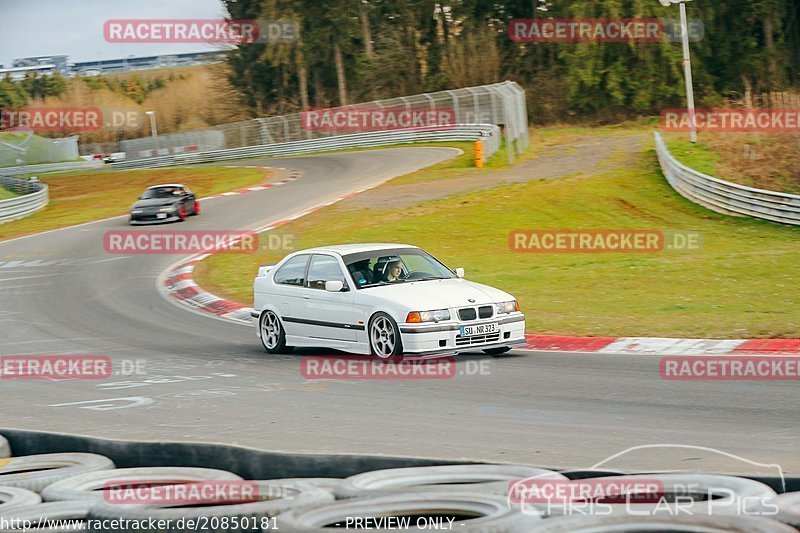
(460, 272)
(334, 286)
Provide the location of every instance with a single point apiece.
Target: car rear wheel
(384, 337)
(273, 336)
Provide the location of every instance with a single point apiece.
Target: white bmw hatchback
(382, 299)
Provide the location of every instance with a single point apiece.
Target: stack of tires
(63, 492)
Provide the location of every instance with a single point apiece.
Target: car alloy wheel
(270, 330)
(182, 212)
(384, 337)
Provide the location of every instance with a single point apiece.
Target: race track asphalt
(208, 380)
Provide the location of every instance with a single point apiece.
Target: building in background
(47, 65)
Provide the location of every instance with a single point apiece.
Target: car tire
(480, 479)
(182, 212)
(497, 351)
(706, 524)
(15, 498)
(196, 209)
(5, 448)
(272, 334)
(487, 513)
(35, 472)
(249, 515)
(384, 337)
(90, 486)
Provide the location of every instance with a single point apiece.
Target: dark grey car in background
(164, 203)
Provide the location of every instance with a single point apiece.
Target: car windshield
(161, 192)
(402, 265)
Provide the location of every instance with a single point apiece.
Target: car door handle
(306, 297)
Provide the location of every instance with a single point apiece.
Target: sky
(75, 27)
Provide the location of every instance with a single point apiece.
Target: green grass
(6, 194)
(743, 283)
(78, 197)
(697, 156)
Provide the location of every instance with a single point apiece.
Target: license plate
(161, 215)
(479, 329)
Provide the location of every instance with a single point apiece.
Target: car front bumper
(446, 337)
(141, 220)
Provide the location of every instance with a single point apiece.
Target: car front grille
(477, 339)
(467, 313)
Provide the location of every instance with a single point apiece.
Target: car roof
(346, 249)
(166, 185)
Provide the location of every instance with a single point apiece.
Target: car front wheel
(384, 337)
(273, 336)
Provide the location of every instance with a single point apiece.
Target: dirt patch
(587, 155)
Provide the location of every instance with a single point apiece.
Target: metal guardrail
(724, 196)
(49, 167)
(502, 103)
(34, 196)
(489, 133)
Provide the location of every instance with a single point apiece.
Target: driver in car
(393, 271)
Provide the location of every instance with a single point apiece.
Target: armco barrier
(724, 196)
(50, 167)
(489, 133)
(33, 196)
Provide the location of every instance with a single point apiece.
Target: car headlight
(428, 316)
(507, 307)
(136, 211)
(168, 209)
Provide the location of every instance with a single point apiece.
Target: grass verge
(6, 194)
(742, 283)
(78, 197)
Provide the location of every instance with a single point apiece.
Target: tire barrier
(232, 517)
(5, 448)
(789, 508)
(468, 512)
(89, 485)
(683, 523)
(13, 498)
(491, 479)
(68, 491)
(35, 472)
(679, 493)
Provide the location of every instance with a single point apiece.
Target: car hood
(437, 294)
(155, 202)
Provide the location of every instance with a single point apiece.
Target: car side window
(324, 268)
(292, 272)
